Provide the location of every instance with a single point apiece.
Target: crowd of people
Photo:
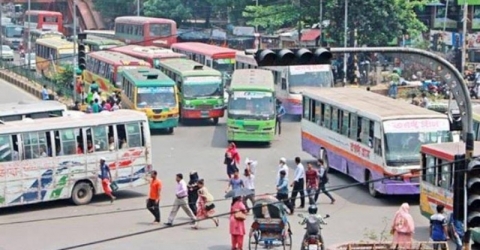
(96, 102)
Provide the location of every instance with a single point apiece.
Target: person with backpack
(439, 228)
(313, 225)
(403, 228)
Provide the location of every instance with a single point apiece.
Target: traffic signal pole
(74, 65)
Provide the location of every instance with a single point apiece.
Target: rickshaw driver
(276, 201)
(313, 222)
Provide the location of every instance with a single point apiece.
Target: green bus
(200, 87)
(152, 92)
(251, 108)
(96, 43)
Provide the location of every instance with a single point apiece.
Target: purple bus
(369, 136)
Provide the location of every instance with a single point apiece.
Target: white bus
(290, 81)
(18, 111)
(369, 136)
(58, 158)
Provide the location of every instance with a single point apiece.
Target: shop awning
(310, 35)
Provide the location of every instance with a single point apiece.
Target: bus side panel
(431, 196)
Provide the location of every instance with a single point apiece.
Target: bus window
(15, 145)
(67, 142)
(353, 126)
(306, 108)
(327, 116)
(134, 136)
(35, 145)
(100, 138)
(430, 170)
(335, 119)
(6, 151)
(11, 118)
(38, 115)
(446, 171)
(313, 113)
(345, 123)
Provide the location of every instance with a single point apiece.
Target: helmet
(312, 209)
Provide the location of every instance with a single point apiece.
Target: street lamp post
(464, 39)
(345, 35)
(29, 44)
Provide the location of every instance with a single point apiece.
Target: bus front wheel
(82, 193)
(371, 185)
(170, 130)
(215, 121)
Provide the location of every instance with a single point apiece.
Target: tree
(178, 10)
(271, 17)
(111, 9)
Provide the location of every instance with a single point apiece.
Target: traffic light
(82, 53)
(473, 199)
(287, 57)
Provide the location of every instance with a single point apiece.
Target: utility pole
(29, 43)
(445, 18)
(1, 37)
(464, 38)
(320, 21)
(256, 26)
(75, 42)
(345, 36)
(138, 7)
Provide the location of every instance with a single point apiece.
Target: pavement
(59, 225)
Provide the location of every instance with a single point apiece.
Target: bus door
(377, 144)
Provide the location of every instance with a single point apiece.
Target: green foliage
(177, 10)
(64, 78)
(271, 17)
(381, 236)
(112, 9)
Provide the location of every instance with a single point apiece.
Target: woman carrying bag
(205, 206)
(237, 223)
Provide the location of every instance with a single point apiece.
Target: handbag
(239, 216)
(113, 186)
(209, 207)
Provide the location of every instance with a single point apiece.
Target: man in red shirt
(311, 176)
(154, 197)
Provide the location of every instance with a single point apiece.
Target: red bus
(44, 20)
(104, 67)
(216, 57)
(145, 30)
(150, 54)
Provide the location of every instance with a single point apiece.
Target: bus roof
(212, 51)
(41, 12)
(93, 32)
(97, 40)
(147, 77)
(241, 56)
(45, 31)
(54, 42)
(142, 20)
(65, 122)
(30, 107)
(447, 151)
(370, 104)
(252, 79)
(148, 52)
(116, 58)
(187, 67)
(8, 25)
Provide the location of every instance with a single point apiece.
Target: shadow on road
(219, 138)
(219, 247)
(97, 201)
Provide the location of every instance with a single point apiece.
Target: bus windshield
(243, 104)
(310, 76)
(13, 32)
(198, 86)
(224, 65)
(156, 97)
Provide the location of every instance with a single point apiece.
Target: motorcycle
(314, 241)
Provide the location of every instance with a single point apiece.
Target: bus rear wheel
(82, 193)
(170, 131)
(215, 121)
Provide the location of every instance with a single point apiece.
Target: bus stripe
(438, 202)
(344, 153)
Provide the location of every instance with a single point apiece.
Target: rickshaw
(270, 226)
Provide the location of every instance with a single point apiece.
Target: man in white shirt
(181, 193)
(251, 165)
(249, 183)
(298, 184)
(282, 167)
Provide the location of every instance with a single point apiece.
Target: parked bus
(290, 81)
(370, 136)
(39, 34)
(200, 88)
(151, 54)
(216, 57)
(47, 159)
(52, 56)
(18, 111)
(104, 67)
(108, 34)
(42, 19)
(251, 107)
(151, 91)
(12, 35)
(142, 30)
(96, 43)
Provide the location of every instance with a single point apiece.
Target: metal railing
(61, 90)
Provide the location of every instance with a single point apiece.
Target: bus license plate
(312, 247)
(205, 113)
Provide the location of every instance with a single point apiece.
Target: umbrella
(238, 192)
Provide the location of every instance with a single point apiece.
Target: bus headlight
(218, 106)
(188, 107)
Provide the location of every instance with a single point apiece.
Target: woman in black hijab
(193, 191)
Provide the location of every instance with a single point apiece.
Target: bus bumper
(202, 114)
(163, 124)
(250, 136)
(393, 187)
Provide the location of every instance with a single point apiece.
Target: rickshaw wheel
(287, 238)
(253, 239)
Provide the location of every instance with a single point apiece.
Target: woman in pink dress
(403, 228)
(237, 223)
(205, 206)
